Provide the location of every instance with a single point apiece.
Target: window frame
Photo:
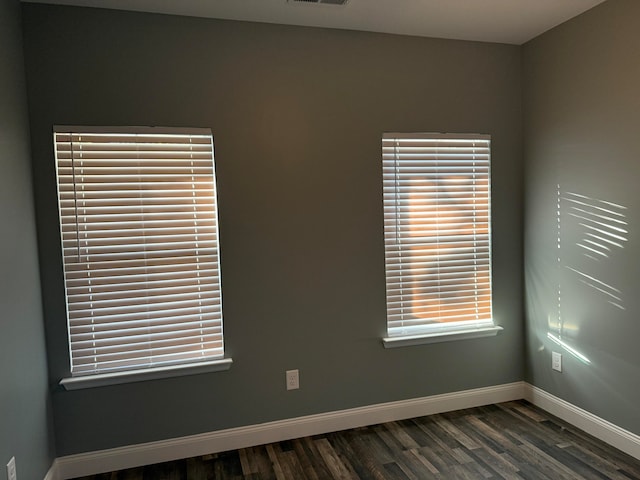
(215, 359)
(429, 331)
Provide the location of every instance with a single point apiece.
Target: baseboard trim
(606, 431)
(162, 451)
(52, 474)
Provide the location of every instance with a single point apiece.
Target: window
(437, 237)
(138, 217)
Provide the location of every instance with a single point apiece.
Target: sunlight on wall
(595, 229)
(603, 223)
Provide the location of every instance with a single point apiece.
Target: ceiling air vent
(325, 2)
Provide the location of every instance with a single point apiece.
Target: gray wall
(297, 116)
(582, 111)
(24, 408)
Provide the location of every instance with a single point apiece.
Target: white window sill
(445, 336)
(104, 379)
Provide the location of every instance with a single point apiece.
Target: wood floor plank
(461, 472)
(545, 431)
(315, 457)
(196, 468)
(447, 437)
(437, 457)
(438, 446)
(603, 466)
(527, 411)
(496, 437)
(247, 468)
(357, 460)
(275, 462)
(401, 435)
(416, 432)
(304, 459)
(291, 465)
(263, 463)
(371, 460)
(546, 463)
(618, 459)
(414, 456)
(407, 470)
(456, 433)
(563, 457)
(394, 472)
(392, 443)
(495, 463)
(332, 461)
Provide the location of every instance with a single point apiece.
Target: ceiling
(501, 21)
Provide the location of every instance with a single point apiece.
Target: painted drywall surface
(582, 213)
(297, 116)
(25, 411)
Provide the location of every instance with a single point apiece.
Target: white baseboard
(234, 438)
(602, 429)
(52, 474)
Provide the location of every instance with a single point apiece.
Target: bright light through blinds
(437, 232)
(140, 247)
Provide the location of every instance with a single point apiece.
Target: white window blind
(138, 217)
(437, 233)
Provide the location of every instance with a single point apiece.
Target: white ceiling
(502, 21)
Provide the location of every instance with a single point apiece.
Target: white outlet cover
(293, 379)
(11, 469)
(556, 361)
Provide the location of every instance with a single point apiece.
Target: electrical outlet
(556, 361)
(11, 469)
(293, 379)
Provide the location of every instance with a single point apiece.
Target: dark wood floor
(512, 440)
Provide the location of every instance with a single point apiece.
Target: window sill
(450, 336)
(104, 379)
